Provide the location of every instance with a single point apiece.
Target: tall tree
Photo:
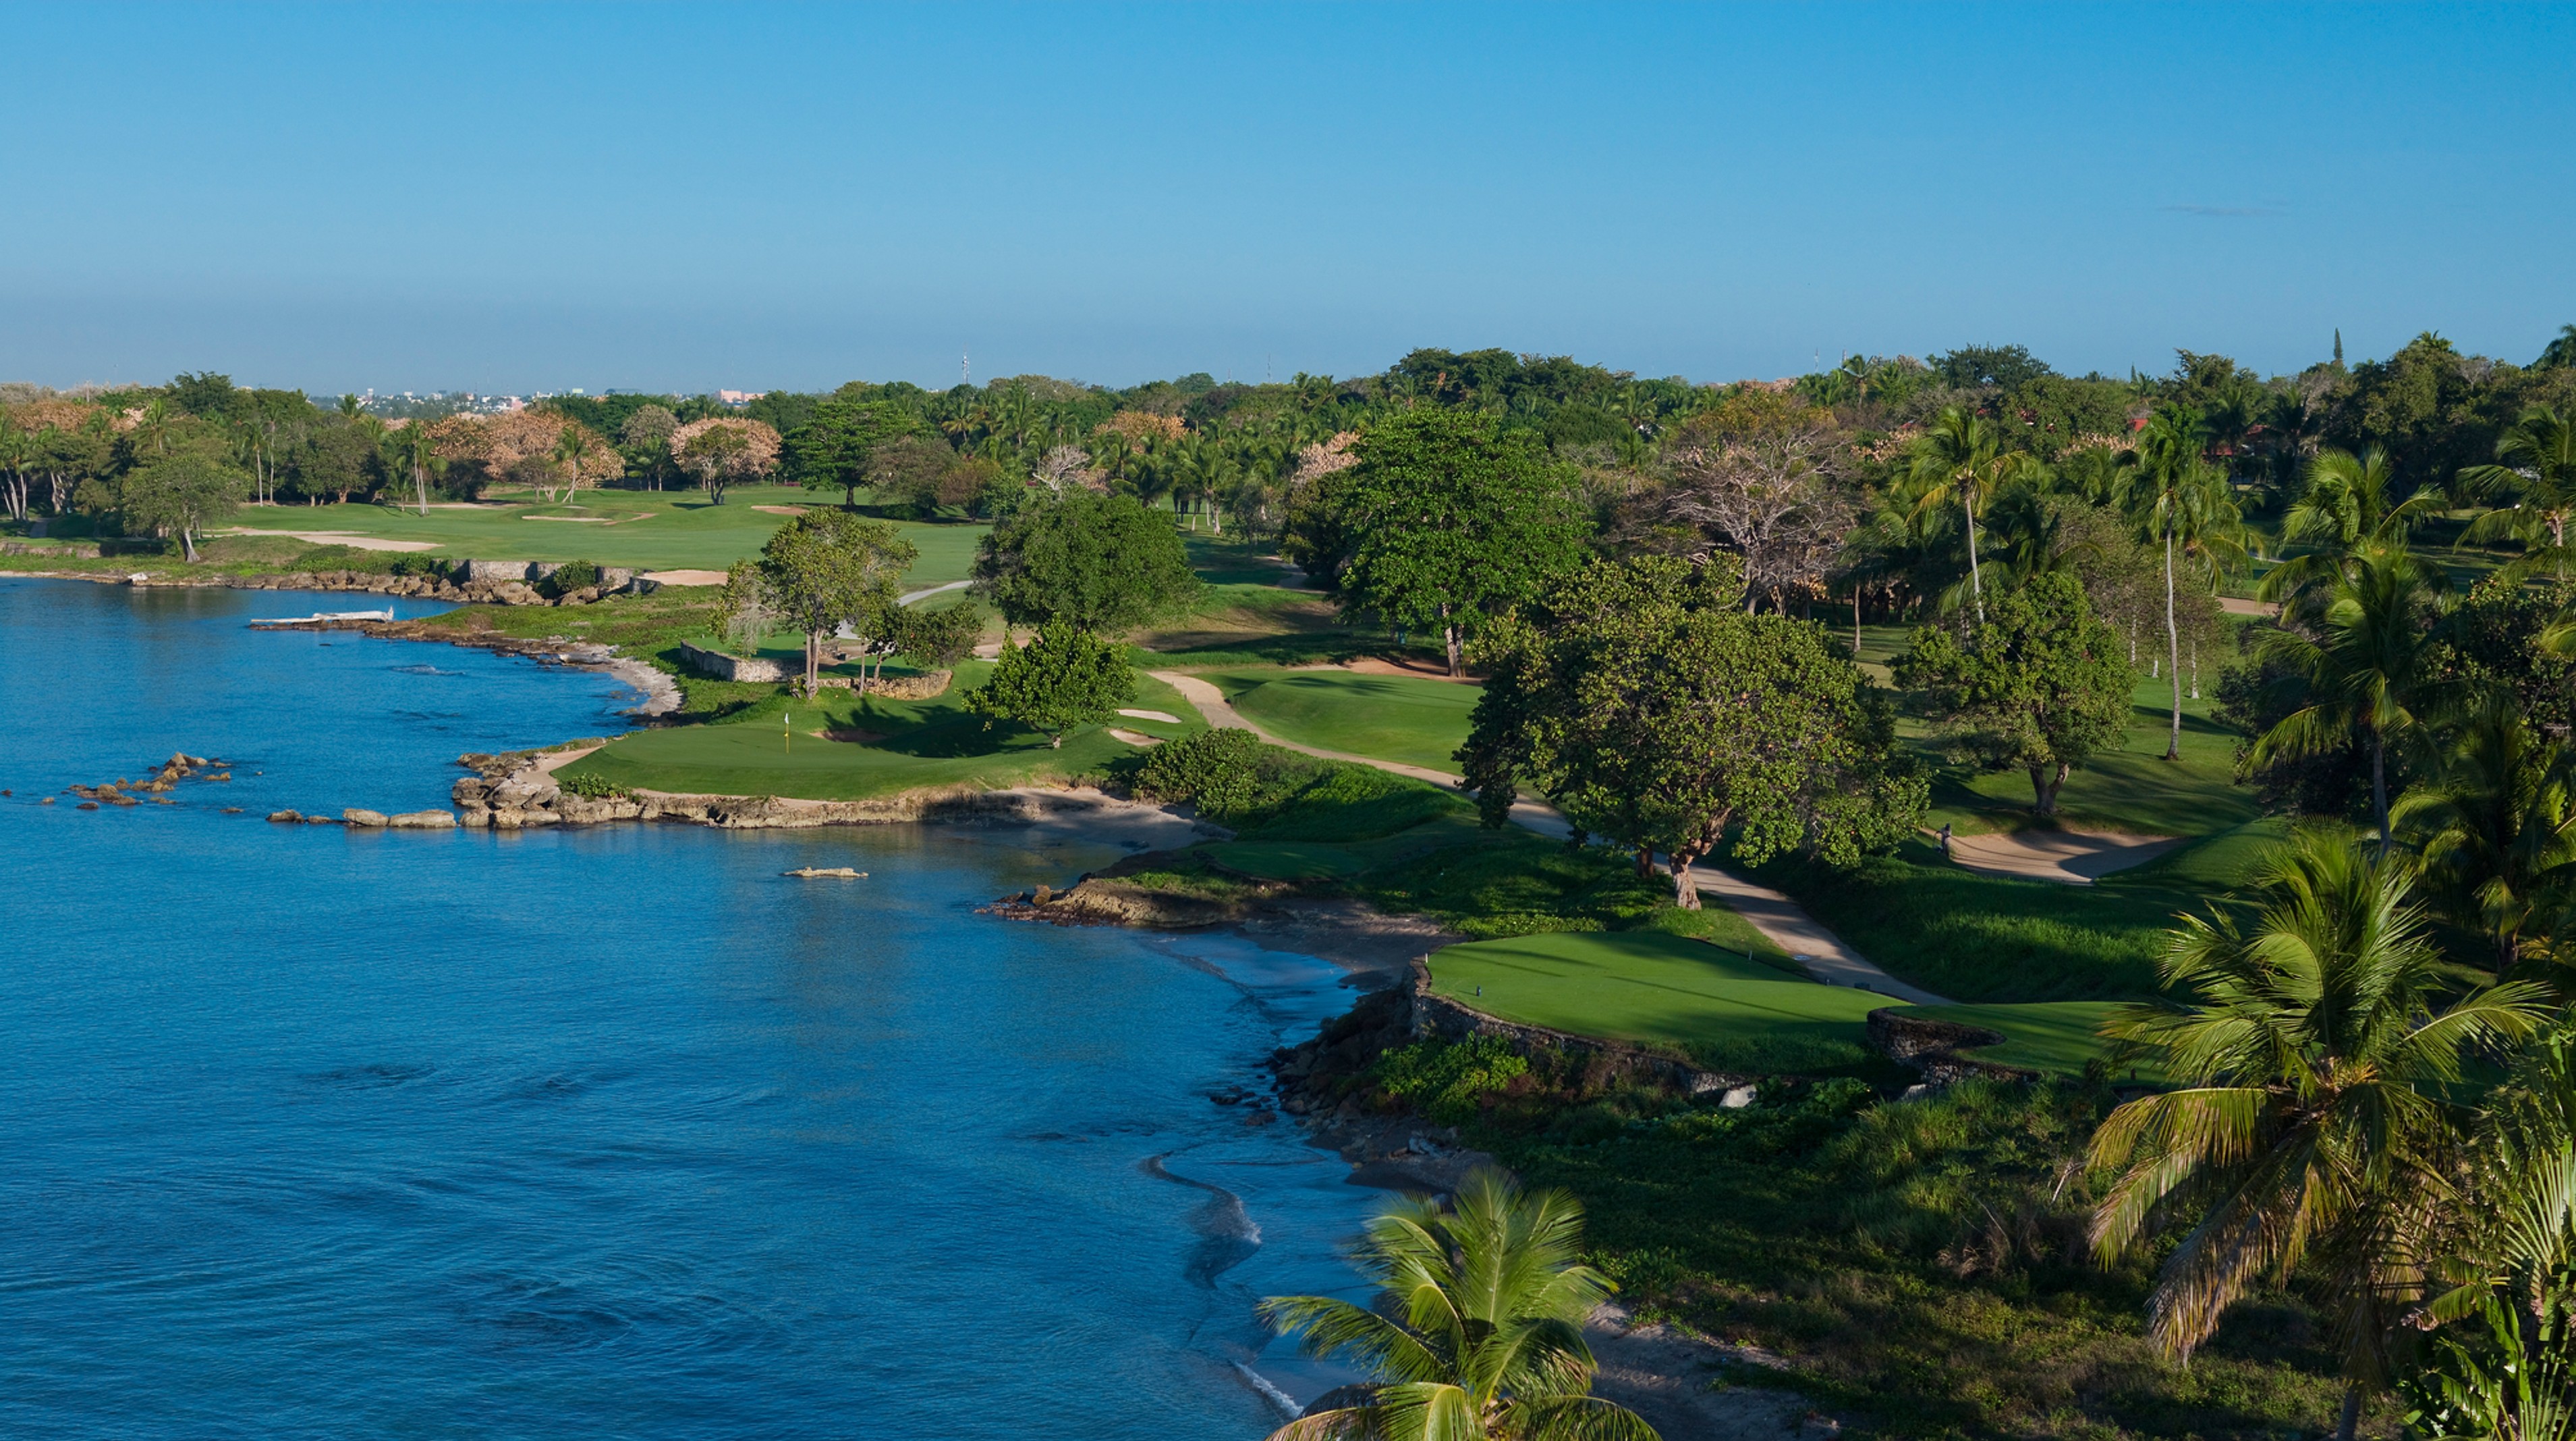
(2360, 675)
(2182, 501)
(1063, 678)
(1099, 563)
(415, 452)
(2348, 513)
(2496, 826)
(836, 445)
(1658, 714)
(2535, 470)
(183, 494)
(724, 450)
(2310, 1120)
(1452, 521)
(2041, 686)
(1961, 460)
(1476, 1332)
(827, 568)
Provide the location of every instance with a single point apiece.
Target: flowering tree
(545, 450)
(725, 450)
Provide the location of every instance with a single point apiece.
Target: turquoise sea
(604, 1133)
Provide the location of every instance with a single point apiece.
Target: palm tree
(416, 451)
(1477, 1330)
(2182, 500)
(2363, 673)
(2345, 512)
(2310, 1121)
(2513, 1265)
(2536, 468)
(2496, 826)
(1961, 460)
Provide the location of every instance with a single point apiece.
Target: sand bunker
(685, 577)
(780, 509)
(1151, 715)
(342, 537)
(2067, 857)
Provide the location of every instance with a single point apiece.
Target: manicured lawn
(922, 744)
(1396, 718)
(2056, 1037)
(2133, 789)
(1651, 987)
(648, 530)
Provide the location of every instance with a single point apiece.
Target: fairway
(1394, 718)
(918, 745)
(1650, 987)
(641, 529)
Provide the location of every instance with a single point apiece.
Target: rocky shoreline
(466, 582)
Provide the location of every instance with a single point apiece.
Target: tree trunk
(813, 660)
(188, 544)
(1685, 894)
(2379, 787)
(2351, 1412)
(1449, 633)
(2173, 648)
(1855, 622)
(1055, 743)
(2044, 786)
(1976, 577)
(1645, 860)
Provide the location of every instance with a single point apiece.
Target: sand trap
(342, 537)
(1379, 665)
(2233, 606)
(2067, 857)
(780, 509)
(1135, 738)
(685, 577)
(573, 519)
(1151, 715)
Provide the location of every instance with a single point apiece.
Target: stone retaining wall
(1932, 1047)
(733, 667)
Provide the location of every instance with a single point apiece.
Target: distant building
(739, 397)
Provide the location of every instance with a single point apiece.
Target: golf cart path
(1782, 921)
(2067, 857)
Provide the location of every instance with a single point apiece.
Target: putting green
(1646, 986)
(643, 529)
(884, 747)
(2055, 1037)
(1407, 719)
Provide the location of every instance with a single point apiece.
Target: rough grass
(1921, 1263)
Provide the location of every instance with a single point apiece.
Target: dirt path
(2069, 858)
(1781, 920)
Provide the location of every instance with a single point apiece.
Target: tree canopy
(1099, 563)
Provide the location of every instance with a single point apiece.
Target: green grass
(1659, 989)
(1922, 1264)
(1990, 938)
(2053, 1037)
(923, 744)
(2134, 789)
(646, 530)
(1395, 718)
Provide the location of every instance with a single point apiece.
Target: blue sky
(505, 198)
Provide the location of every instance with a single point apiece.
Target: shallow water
(614, 1132)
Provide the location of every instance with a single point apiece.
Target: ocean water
(603, 1133)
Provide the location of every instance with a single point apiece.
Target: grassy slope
(1649, 987)
(645, 529)
(1396, 718)
(936, 742)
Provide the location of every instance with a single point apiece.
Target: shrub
(1445, 1080)
(589, 787)
(571, 576)
(1216, 770)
